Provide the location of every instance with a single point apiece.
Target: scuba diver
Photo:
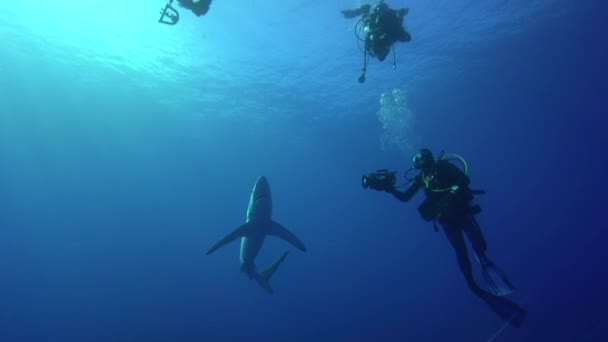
(383, 28)
(170, 16)
(450, 202)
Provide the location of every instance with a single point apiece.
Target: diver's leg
(473, 230)
(351, 13)
(456, 238)
(185, 3)
(402, 12)
(403, 36)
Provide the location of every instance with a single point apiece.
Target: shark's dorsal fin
(276, 229)
(239, 232)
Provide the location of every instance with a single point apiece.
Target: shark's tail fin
(264, 277)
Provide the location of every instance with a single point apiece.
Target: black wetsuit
(385, 29)
(199, 8)
(452, 209)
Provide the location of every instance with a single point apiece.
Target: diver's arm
(406, 195)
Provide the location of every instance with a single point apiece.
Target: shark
(258, 225)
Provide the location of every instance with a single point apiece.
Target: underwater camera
(379, 180)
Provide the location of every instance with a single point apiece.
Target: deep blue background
(128, 148)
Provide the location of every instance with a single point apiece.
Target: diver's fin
(351, 13)
(239, 232)
(264, 278)
(510, 312)
(496, 279)
(276, 229)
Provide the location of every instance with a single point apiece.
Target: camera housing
(380, 180)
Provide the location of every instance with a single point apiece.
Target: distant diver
(170, 16)
(383, 28)
(450, 202)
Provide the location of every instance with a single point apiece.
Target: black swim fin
(496, 279)
(351, 13)
(510, 312)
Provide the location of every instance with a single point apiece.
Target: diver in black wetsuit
(170, 16)
(449, 202)
(199, 8)
(383, 27)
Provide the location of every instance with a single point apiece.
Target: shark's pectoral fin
(276, 229)
(239, 232)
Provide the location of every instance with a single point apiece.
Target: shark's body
(257, 226)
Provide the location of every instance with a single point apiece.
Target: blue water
(128, 148)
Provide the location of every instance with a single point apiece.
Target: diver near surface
(199, 8)
(383, 28)
(170, 15)
(450, 202)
